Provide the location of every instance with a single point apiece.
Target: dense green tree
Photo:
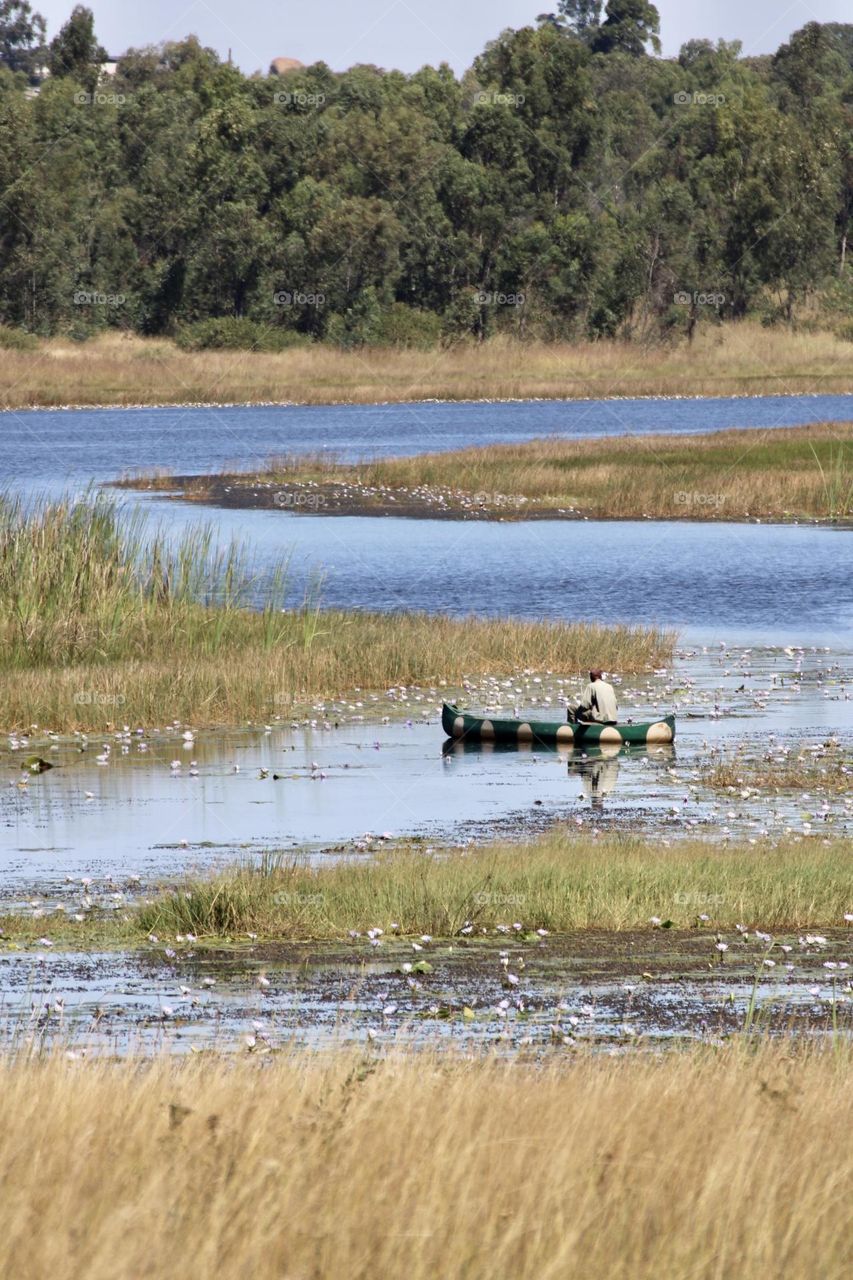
(567, 185)
(21, 37)
(628, 27)
(74, 51)
(580, 17)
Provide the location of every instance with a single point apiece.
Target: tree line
(570, 184)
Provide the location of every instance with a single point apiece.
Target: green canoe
(458, 724)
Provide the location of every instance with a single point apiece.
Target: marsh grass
(699, 1163)
(827, 768)
(559, 882)
(786, 473)
(101, 624)
(744, 358)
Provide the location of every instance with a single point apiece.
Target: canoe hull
(458, 724)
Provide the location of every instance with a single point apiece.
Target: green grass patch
(559, 882)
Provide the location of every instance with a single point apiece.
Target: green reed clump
(82, 581)
(558, 882)
(100, 622)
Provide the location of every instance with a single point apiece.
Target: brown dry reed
(706, 1163)
(742, 358)
(779, 474)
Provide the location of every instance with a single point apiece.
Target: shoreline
(307, 500)
(114, 371)
(787, 476)
(109, 407)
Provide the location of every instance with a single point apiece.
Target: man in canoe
(597, 704)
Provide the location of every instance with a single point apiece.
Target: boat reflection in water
(596, 767)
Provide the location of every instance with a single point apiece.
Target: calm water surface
(52, 450)
(775, 584)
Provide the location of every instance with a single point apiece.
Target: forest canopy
(571, 183)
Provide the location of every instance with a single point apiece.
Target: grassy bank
(743, 358)
(100, 624)
(559, 882)
(789, 473)
(697, 1163)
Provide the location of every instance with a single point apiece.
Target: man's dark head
(596, 674)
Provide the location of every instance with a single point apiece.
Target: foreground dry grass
(736, 358)
(700, 1164)
(786, 473)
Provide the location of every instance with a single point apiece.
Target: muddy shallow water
(590, 989)
(353, 773)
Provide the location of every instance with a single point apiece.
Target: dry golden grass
(247, 679)
(794, 472)
(701, 1164)
(735, 358)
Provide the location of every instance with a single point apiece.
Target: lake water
(362, 771)
(775, 584)
(724, 581)
(85, 834)
(50, 450)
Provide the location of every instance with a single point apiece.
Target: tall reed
(100, 623)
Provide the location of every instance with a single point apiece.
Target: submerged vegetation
(101, 624)
(558, 882)
(786, 473)
(362, 1164)
(827, 768)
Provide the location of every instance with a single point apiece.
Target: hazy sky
(407, 33)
